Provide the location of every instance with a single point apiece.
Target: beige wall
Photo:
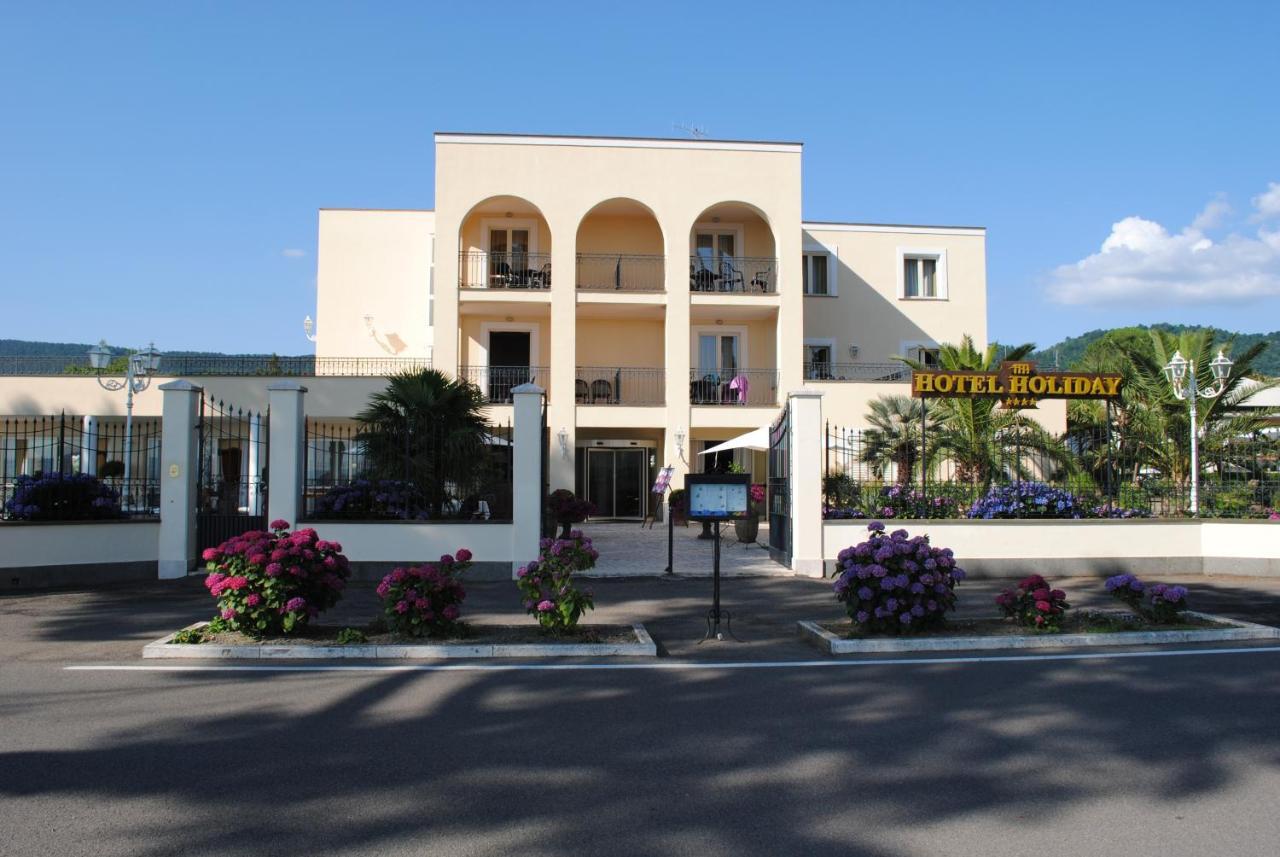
(474, 337)
(34, 545)
(374, 263)
(867, 311)
(620, 342)
(639, 235)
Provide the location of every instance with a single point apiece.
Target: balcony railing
(620, 272)
(867, 372)
(179, 365)
(752, 387)
(496, 382)
(477, 270)
(620, 385)
(756, 275)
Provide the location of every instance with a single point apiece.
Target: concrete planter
(833, 644)
(643, 647)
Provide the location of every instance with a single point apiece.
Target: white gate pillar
(806, 448)
(253, 467)
(287, 429)
(89, 446)
(526, 475)
(179, 467)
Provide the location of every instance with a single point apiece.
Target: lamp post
(141, 367)
(1181, 373)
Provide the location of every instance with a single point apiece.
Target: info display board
(718, 496)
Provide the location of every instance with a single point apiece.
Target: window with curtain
(814, 274)
(919, 277)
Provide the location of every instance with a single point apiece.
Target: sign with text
(663, 482)
(717, 496)
(1017, 384)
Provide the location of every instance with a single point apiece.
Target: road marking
(658, 665)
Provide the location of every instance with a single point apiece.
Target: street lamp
(1181, 373)
(141, 367)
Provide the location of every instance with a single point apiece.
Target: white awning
(754, 439)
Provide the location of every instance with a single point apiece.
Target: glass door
(616, 482)
(600, 480)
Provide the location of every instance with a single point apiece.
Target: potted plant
(678, 507)
(748, 528)
(567, 510)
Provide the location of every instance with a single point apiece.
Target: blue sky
(157, 161)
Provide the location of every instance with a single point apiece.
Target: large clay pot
(747, 529)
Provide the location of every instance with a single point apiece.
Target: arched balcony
(732, 251)
(504, 243)
(620, 248)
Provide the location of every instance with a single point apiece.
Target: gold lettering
(1097, 388)
(922, 382)
(1018, 384)
(944, 383)
(1113, 386)
(1036, 385)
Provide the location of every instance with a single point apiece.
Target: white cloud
(1142, 261)
(1267, 203)
(293, 253)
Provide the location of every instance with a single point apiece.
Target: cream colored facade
(620, 345)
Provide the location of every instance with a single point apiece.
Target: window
(815, 274)
(718, 354)
(923, 356)
(919, 277)
(817, 361)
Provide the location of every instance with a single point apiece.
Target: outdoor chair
(762, 278)
(541, 278)
(601, 391)
(499, 275)
(731, 279)
(581, 392)
(701, 278)
(705, 391)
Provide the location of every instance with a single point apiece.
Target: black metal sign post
(671, 540)
(716, 498)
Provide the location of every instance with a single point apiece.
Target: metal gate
(780, 489)
(231, 484)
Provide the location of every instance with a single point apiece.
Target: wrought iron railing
(620, 272)
(69, 468)
(497, 382)
(620, 385)
(480, 270)
(733, 274)
(179, 365)
(753, 387)
(411, 472)
(870, 372)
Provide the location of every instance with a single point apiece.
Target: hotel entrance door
(617, 481)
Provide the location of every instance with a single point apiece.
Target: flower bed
(62, 497)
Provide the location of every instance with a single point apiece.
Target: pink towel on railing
(739, 384)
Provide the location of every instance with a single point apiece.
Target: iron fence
(180, 365)
(351, 473)
(753, 387)
(868, 372)
(733, 274)
(621, 272)
(1104, 473)
(620, 385)
(512, 270)
(72, 468)
(497, 382)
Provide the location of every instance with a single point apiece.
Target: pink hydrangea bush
(425, 599)
(1034, 604)
(547, 587)
(275, 582)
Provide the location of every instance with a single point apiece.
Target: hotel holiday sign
(1017, 384)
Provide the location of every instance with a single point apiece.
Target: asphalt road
(1171, 755)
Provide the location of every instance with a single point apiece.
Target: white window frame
(818, 342)
(939, 255)
(719, 330)
(833, 267)
(737, 230)
(533, 328)
(509, 223)
(906, 346)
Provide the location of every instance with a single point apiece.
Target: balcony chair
(581, 392)
(762, 278)
(541, 278)
(705, 391)
(731, 279)
(738, 388)
(500, 276)
(702, 278)
(601, 390)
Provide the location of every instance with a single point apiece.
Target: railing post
(806, 482)
(526, 474)
(179, 453)
(285, 433)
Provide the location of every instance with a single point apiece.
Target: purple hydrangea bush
(62, 497)
(425, 599)
(1027, 500)
(1158, 603)
(896, 502)
(894, 583)
(275, 582)
(367, 499)
(547, 588)
(1034, 604)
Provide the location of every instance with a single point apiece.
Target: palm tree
(985, 442)
(893, 441)
(428, 429)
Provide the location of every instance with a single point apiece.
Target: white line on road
(657, 665)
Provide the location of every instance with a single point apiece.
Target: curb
(643, 647)
(832, 644)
